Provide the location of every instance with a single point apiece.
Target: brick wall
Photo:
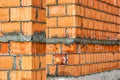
(22, 40)
(82, 37)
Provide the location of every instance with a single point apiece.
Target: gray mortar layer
(68, 41)
(111, 75)
(41, 37)
(36, 37)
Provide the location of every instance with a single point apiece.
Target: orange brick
(44, 75)
(38, 48)
(71, 32)
(9, 3)
(23, 75)
(66, 21)
(4, 48)
(70, 48)
(62, 71)
(29, 28)
(3, 75)
(21, 47)
(43, 61)
(73, 10)
(51, 22)
(82, 59)
(41, 15)
(57, 10)
(39, 76)
(4, 14)
(52, 70)
(6, 62)
(57, 32)
(74, 70)
(19, 14)
(31, 2)
(49, 59)
(73, 59)
(85, 2)
(59, 59)
(44, 4)
(53, 48)
(50, 2)
(65, 1)
(10, 27)
(33, 63)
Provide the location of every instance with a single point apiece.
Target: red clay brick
(19, 48)
(6, 62)
(4, 14)
(33, 63)
(10, 27)
(74, 70)
(59, 59)
(44, 75)
(66, 21)
(4, 48)
(70, 48)
(41, 15)
(50, 2)
(31, 2)
(49, 58)
(23, 75)
(9, 3)
(29, 28)
(43, 61)
(57, 32)
(72, 10)
(51, 22)
(57, 10)
(73, 59)
(53, 48)
(19, 14)
(52, 70)
(3, 75)
(71, 32)
(64, 1)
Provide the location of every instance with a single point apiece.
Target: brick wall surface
(22, 40)
(82, 37)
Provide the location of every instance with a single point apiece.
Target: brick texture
(64, 38)
(77, 33)
(22, 53)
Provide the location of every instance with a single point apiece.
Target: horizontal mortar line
(82, 41)
(23, 21)
(82, 75)
(81, 27)
(21, 69)
(19, 37)
(83, 17)
(108, 3)
(85, 7)
(24, 7)
(84, 64)
(79, 53)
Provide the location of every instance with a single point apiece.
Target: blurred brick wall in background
(82, 37)
(22, 40)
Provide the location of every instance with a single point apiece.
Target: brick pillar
(82, 37)
(22, 40)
